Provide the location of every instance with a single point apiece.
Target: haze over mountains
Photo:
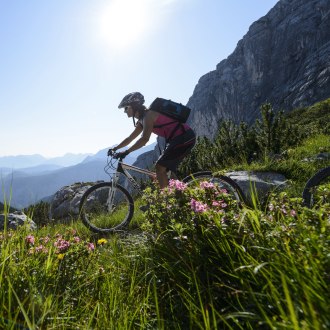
(26, 186)
(23, 161)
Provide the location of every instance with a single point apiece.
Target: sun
(124, 22)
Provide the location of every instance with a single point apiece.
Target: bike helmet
(131, 98)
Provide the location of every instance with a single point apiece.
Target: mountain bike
(310, 192)
(109, 206)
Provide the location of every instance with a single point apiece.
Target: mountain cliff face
(284, 59)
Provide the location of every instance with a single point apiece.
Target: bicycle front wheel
(104, 208)
(221, 181)
(311, 195)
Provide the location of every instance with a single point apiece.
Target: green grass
(260, 268)
(297, 164)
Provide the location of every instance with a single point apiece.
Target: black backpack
(171, 109)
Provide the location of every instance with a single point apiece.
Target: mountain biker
(180, 138)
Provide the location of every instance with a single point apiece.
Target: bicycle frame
(123, 168)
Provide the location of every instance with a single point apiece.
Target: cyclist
(180, 138)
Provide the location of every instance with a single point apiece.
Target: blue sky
(65, 65)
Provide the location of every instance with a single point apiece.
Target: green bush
(272, 134)
(225, 267)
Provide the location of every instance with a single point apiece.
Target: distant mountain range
(26, 161)
(26, 186)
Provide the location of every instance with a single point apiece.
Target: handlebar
(117, 155)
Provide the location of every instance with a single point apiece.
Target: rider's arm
(129, 139)
(148, 125)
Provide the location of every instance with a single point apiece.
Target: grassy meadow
(194, 260)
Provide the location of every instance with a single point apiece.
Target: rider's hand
(111, 151)
(121, 154)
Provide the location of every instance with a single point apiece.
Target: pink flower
(30, 239)
(76, 239)
(90, 246)
(197, 206)
(293, 213)
(219, 204)
(46, 239)
(62, 245)
(176, 184)
(206, 184)
(41, 248)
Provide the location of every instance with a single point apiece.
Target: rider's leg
(173, 154)
(162, 178)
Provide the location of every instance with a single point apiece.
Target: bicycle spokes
(106, 208)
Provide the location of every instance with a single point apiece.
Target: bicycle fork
(111, 193)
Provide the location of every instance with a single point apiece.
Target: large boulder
(258, 184)
(16, 219)
(65, 202)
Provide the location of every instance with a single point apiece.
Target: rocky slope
(284, 59)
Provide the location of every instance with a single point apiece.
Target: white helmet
(131, 98)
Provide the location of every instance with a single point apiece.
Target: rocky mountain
(283, 59)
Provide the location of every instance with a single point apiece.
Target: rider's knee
(160, 169)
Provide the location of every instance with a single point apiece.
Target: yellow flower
(101, 241)
(60, 256)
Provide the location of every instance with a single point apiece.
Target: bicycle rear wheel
(310, 193)
(222, 181)
(104, 209)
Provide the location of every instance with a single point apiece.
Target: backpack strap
(173, 131)
(178, 124)
(167, 139)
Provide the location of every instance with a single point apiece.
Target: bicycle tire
(94, 212)
(320, 177)
(224, 182)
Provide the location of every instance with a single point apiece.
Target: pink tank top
(168, 127)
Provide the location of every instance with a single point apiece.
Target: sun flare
(124, 22)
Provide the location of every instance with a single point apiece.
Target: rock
(258, 183)
(16, 219)
(65, 203)
(283, 59)
(323, 156)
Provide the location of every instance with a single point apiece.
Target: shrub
(220, 266)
